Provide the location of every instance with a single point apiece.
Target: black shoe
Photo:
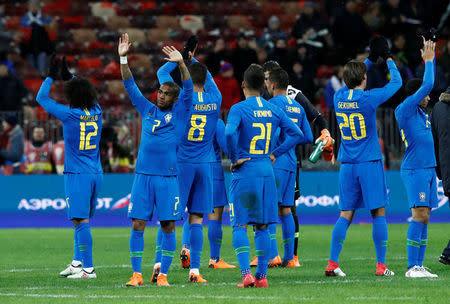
(444, 259)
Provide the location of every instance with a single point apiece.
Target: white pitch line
(149, 297)
(151, 265)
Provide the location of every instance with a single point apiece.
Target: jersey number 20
(266, 131)
(349, 122)
(85, 138)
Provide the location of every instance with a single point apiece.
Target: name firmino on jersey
(206, 107)
(265, 113)
(89, 118)
(348, 105)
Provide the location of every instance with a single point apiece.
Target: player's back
(295, 112)
(258, 122)
(81, 131)
(196, 145)
(356, 117)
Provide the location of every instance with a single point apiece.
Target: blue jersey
(251, 125)
(219, 141)
(161, 130)
(415, 127)
(81, 131)
(356, 116)
(296, 113)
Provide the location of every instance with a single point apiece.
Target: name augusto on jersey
(206, 107)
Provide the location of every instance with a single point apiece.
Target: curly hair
(81, 93)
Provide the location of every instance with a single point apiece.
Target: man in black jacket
(440, 125)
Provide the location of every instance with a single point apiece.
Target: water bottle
(315, 155)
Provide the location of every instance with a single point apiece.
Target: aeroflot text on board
(35, 204)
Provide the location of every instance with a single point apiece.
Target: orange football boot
(297, 263)
(247, 281)
(155, 274)
(185, 258)
(221, 264)
(193, 278)
(275, 262)
(162, 280)
(135, 280)
(254, 263)
(289, 264)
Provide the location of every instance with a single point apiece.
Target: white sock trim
(195, 271)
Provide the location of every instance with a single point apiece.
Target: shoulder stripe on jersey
(258, 99)
(289, 100)
(200, 96)
(87, 112)
(350, 94)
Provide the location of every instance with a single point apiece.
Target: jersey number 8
(349, 122)
(85, 138)
(197, 126)
(266, 131)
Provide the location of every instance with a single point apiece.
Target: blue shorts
(219, 190)
(285, 187)
(362, 185)
(81, 194)
(253, 200)
(421, 187)
(152, 192)
(196, 187)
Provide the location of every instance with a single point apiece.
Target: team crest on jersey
(130, 207)
(168, 117)
(422, 196)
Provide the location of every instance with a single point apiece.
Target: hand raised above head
(124, 45)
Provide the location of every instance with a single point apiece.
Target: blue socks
(76, 250)
(423, 244)
(338, 237)
(273, 241)
(262, 247)
(241, 246)
(288, 229)
(186, 236)
(413, 242)
(215, 239)
(196, 241)
(136, 249)
(380, 238)
(158, 251)
(169, 244)
(84, 236)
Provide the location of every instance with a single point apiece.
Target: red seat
(33, 84)
(148, 5)
(90, 63)
(13, 22)
(59, 8)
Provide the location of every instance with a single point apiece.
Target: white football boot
(83, 275)
(415, 272)
(71, 269)
(427, 272)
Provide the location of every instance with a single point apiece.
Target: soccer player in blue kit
(286, 165)
(83, 174)
(251, 125)
(155, 187)
(418, 165)
(195, 155)
(361, 176)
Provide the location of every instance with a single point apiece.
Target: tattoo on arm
(184, 71)
(125, 71)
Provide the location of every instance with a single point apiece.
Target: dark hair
(354, 72)
(254, 77)
(280, 77)
(198, 73)
(268, 66)
(412, 86)
(173, 86)
(81, 93)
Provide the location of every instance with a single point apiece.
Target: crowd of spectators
(309, 39)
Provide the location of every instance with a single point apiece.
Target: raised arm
(381, 95)
(292, 135)
(51, 106)
(137, 99)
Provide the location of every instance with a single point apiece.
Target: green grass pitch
(31, 259)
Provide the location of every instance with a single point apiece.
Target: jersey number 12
(85, 138)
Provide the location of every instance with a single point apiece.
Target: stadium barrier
(38, 201)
